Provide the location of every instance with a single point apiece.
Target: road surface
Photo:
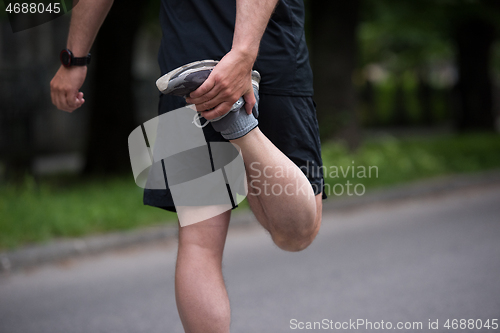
(411, 262)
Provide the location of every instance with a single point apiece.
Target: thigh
(208, 236)
(291, 125)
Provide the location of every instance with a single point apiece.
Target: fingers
(249, 101)
(225, 85)
(218, 96)
(66, 100)
(207, 87)
(64, 88)
(74, 99)
(52, 95)
(218, 111)
(222, 103)
(202, 95)
(210, 94)
(61, 102)
(228, 98)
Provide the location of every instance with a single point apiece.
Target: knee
(298, 239)
(292, 245)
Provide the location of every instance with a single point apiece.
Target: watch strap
(82, 61)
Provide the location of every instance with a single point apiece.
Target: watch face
(65, 58)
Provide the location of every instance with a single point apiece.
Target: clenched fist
(65, 88)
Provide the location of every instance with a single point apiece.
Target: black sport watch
(68, 60)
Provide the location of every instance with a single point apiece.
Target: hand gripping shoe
(185, 79)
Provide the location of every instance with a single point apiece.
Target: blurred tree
(425, 97)
(405, 37)
(475, 26)
(334, 25)
(474, 39)
(21, 69)
(408, 35)
(113, 104)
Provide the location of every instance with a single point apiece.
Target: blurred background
(409, 86)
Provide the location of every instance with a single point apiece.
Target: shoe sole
(185, 79)
(181, 81)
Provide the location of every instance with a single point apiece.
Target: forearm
(86, 19)
(231, 78)
(252, 17)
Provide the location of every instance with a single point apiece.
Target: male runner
(286, 138)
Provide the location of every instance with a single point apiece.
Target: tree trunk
(400, 113)
(425, 98)
(474, 38)
(367, 98)
(334, 49)
(112, 100)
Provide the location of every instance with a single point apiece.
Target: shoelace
(197, 122)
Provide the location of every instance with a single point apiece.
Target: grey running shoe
(187, 78)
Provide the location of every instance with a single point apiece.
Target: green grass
(67, 207)
(34, 213)
(394, 161)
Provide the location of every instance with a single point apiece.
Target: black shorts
(288, 121)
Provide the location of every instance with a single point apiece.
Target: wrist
(68, 59)
(74, 68)
(246, 54)
(77, 49)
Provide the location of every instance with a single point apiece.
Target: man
(230, 31)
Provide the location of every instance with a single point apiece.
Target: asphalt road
(435, 258)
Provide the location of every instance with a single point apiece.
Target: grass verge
(65, 207)
(35, 213)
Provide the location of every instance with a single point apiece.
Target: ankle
(251, 136)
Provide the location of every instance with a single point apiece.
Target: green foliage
(3, 13)
(380, 111)
(412, 33)
(403, 160)
(404, 33)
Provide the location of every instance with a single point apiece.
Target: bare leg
(279, 194)
(200, 292)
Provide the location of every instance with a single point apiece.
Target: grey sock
(238, 123)
(243, 123)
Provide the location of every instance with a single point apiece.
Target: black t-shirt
(203, 29)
